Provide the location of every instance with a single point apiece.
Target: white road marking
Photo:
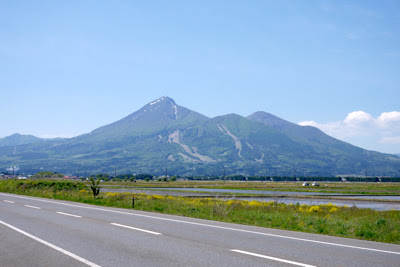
(8, 201)
(207, 225)
(72, 255)
(137, 229)
(272, 258)
(33, 207)
(67, 214)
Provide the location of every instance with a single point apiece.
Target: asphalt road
(43, 232)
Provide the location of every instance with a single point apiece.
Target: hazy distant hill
(18, 139)
(163, 135)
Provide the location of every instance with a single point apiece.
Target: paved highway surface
(44, 232)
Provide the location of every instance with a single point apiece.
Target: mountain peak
(164, 106)
(164, 99)
(19, 139)
(269, 119)
(158, 114)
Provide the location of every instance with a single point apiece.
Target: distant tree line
(240, 177)
(47, 175)
(236, 177)
(122, 177)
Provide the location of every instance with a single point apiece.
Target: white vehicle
(306, 184)
(315, 184)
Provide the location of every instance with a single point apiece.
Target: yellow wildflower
(334, 209)
(314, 209)
(254, 203)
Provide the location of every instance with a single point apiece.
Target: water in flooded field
(359, 204)
(353, 200)
(280, 193)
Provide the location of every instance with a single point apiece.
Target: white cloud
(308, 123)
(388, 117)
(62, 135)
(362, 129)
(390, 140)
(358, 117)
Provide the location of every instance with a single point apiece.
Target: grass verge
(350, 222)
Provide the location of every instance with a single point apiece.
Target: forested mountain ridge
(163, 135)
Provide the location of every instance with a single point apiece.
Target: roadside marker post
(133, 201)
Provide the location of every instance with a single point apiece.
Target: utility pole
(294, 175)
(78, 172)
(366, 175)
(224, 174)
(166, 173)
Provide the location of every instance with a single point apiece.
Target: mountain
(18, 139)
(160, 114)
(163, 135)
(304, 134)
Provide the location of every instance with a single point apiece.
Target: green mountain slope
(339, 156)
(163, 135)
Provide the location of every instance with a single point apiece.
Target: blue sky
(68, 67)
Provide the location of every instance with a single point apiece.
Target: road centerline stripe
(66, 252)
(33, 207)
(8, 201)
(272, 258)
(67, 214)
(137, 229)
(206, 225)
